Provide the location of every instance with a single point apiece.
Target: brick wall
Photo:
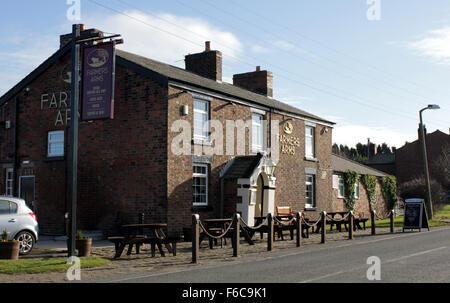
(122, 162)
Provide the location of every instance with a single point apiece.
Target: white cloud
(149, 36)
(259, 49)
(436, 45)
(21, 54)
(350, 135)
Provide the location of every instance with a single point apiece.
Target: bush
(416, 188)
(389, 189)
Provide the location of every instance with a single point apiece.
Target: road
(405, 257)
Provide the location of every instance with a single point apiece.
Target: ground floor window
(310, 191)
(9, 182)
(200, 185)
(341, 187)
(55, 143)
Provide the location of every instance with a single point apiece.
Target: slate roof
(167, 71)
(242, 167)
(381, 159)
(341, 164)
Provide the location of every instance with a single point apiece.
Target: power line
(324, 45)
(296, 81)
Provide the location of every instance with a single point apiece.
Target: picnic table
(134, 235)
(278, 228)
(218, 226)
(338, 222)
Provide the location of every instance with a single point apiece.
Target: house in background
(340, 166)
(382, 162)
(409, 158)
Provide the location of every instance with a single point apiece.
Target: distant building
(383, 162)
(409, 159)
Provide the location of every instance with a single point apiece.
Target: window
(341, 193)
(200, 185)
(341, 190)
(4, 207)
(309, 141)
(310, 191)
(201, 117)
(357, 189)
(55, 143)
(9, 182)
(257, 133)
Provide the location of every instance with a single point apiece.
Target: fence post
(372, 220)
(195, 238)
(236, 236)
(350, 225)
(269, 232)
(391, 216)
(299, 229)
(324, 226)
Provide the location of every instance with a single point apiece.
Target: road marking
(362, 267)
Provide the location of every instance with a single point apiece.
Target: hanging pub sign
(98, 82)
(415, 215)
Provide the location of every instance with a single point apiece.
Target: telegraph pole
(73, 156)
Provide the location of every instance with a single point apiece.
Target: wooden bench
(285, 214)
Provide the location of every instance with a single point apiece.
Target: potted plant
(9, 249)
(83, 245)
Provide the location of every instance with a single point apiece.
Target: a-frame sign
(415, 215)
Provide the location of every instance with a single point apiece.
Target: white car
(20, 223)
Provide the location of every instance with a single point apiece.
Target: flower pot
(84, 247)
(9, 250)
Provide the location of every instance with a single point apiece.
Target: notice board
(415, 215)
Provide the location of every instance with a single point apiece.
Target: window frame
(356, 194)
(313, 192)
(341, 180)
(49, 142)
(313, 139)
(9, 188)
(255, 148)
(205, 132)
(197, 175)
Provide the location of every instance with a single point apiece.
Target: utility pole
(73, 156)
(425, 160)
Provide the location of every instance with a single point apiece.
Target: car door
(8, 221)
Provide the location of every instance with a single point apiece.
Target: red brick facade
(126, 165)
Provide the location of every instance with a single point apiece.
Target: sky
(367, 65)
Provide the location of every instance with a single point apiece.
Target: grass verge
(44, 265)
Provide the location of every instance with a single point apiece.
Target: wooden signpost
(415, 215)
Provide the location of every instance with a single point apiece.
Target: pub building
(131, 164)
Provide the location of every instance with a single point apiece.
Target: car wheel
(26, 241)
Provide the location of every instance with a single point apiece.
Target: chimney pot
(207, 46)
(258, 68)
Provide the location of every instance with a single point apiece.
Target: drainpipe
(16, 106)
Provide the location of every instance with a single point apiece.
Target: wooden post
(324, 226)
(299, 229)
(236, 236)
(391, 216)
(195, 238)
(372, 219)
(350, 225)
(269, 232)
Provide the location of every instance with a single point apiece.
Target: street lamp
(425, 159)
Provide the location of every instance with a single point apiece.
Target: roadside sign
(98, 82)
(415, 215)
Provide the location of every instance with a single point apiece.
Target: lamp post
(425, 159)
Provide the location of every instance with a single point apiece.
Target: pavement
(59, 243)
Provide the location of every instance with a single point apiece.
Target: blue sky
(370, 77)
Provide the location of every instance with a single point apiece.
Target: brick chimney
(64, 39)
(207, 64)
(259, 81)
